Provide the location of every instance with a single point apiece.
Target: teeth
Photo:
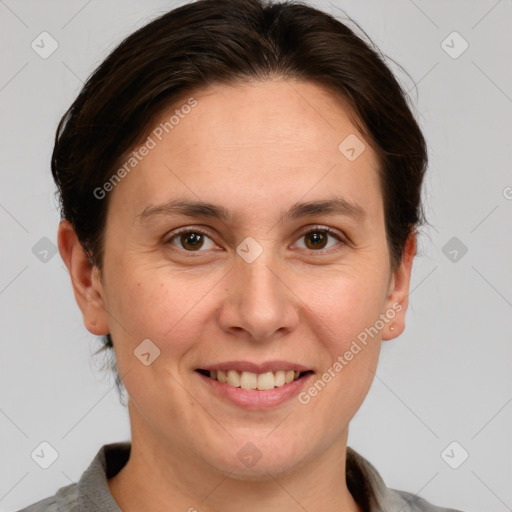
(265, 381)
(250, 380)
(279, 378)
(234, 378)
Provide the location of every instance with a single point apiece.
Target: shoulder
(91, 492)
(414, 503)
(64, 500)
(370, 490)
(46, 505)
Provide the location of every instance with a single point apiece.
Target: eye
(318, 238)
(196, 240)
(191, 240)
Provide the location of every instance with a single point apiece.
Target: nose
(259, 305)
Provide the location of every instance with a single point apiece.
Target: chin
(254, 460)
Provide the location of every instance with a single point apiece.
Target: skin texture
(256, 149)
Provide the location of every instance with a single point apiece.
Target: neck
(179, 481)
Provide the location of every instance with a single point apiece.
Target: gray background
(447, 378)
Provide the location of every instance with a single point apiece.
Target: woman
(240, 189)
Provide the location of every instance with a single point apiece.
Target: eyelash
(316, 229)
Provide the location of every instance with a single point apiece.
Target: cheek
(160, 304)
(345, 310)
(344, 314)
(347, 304)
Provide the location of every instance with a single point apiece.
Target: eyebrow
(331, 206)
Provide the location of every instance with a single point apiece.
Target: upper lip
(247, 366)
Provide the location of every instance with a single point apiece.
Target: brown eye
(318, 239)
(191, 241)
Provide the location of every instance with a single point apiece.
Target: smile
(250, 380)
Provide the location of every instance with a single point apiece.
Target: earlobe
(398, 298)
(87, 286)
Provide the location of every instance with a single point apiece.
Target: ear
(398, 297)
(85, 279)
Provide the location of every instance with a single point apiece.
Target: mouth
(255, 381)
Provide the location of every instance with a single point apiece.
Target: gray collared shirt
(92, 494)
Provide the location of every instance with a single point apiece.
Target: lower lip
(254, 399)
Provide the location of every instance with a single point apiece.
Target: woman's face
(249, 291)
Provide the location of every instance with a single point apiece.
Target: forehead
(273, 115)
(275, 140)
